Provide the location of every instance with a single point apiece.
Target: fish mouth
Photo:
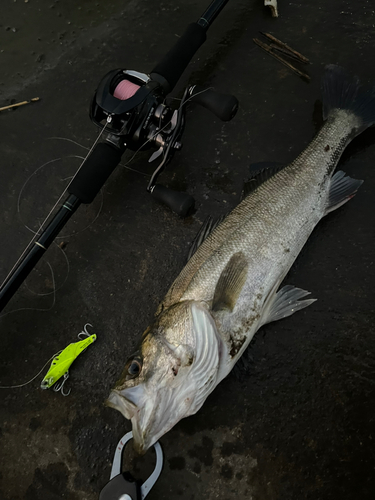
(117, 401)
(142, 440)
(154, 406)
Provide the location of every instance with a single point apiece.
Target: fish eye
(135, 368)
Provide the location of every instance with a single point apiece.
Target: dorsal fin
(205, 230)
(259, 173)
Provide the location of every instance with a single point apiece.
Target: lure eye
(135, 368)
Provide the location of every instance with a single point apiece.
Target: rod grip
(224, 106)
(94, 172)
(176, 60)
(178, 202)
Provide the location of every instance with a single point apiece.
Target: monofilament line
(51, 211)
(29, 381)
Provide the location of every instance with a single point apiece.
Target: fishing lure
(61, 363)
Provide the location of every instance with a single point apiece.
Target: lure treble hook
(60, 386)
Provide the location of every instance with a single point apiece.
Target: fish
(230, 287)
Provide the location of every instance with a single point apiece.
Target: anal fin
(230, 283)
(284, 303)
(341, 190)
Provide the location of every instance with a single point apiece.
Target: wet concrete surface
(296, 421)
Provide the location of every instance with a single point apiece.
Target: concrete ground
(297, 420)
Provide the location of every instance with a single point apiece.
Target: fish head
(170, 374)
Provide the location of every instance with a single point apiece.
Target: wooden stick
(271, 53)
(19, 104)
(285, 52)
(302, 58)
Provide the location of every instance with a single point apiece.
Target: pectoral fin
(284, 303)
(230, 283)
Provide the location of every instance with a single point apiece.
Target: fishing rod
(130, 110)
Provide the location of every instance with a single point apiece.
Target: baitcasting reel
(132, 107)
(132, 111)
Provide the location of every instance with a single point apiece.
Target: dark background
(297, 421)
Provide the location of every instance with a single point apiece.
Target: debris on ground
(272, 4)
(34, 99)
(277, 47)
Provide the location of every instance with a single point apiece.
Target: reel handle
(224, 106)
(178, 202)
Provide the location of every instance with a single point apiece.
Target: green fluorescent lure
(61, 363)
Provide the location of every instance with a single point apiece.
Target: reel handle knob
(178, 202)
(224, 106)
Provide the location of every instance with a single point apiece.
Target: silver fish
(229, 287)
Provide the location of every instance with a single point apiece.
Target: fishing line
(33, 308)
(191, 97)
(37, 233)
(62, 284)
(23, 187)
(65, 179)
(125, 165)
(166, 125)
(37, 375)
(69, 140)
(53, 208)
(124, 93)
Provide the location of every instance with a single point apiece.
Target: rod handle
(94, 172)
(171, 67)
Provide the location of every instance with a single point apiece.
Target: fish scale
(276, 209)
(230, 286)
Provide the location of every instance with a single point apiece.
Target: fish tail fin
(343, 91)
